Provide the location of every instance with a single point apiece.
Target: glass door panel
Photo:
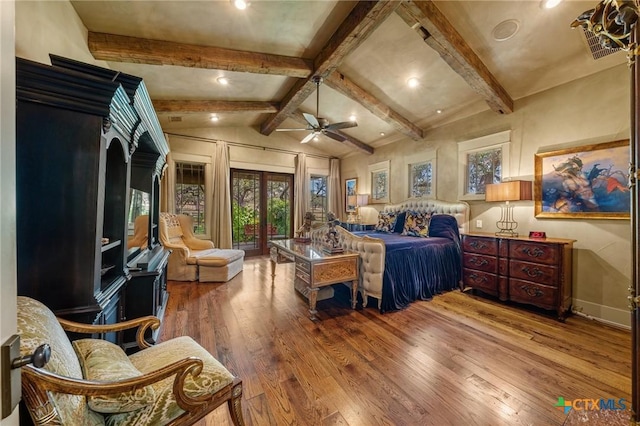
(262, 209)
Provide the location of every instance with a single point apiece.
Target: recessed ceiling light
(413, 82)
(215, 118)
(438, 111)
(241, 4)
(222, 80)
(381, 133)
(352, 117)
(505, 30)
(549, 4)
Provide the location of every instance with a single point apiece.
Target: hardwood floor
(455, 360)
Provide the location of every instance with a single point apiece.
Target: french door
(261, 209)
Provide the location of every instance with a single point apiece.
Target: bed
(397, 269)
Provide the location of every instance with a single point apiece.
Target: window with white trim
(482, 161)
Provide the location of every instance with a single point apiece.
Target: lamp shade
(362, 199)
(514, 190)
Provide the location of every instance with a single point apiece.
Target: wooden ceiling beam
(364, 18)
(112, 47)
(189, 106)
(342, 84)
(350, 141)
(436, 30)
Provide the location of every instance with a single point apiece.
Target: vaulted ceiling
(365, 51)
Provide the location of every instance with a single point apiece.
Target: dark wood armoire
(81, 131)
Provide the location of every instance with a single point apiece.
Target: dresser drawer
(539, 295)
(481, 262)
(540, 273)
(535, 252)
(480, 245)
(480, 280)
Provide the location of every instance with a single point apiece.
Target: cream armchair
(93, 382)
(193, 259)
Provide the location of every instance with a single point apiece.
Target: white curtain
(221, 209)
(301, 195)
(336, 200)
(168, 187)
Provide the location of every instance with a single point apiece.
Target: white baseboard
(605, 314)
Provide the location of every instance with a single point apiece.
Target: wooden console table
(316, 269)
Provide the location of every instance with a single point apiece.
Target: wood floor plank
(459, 359)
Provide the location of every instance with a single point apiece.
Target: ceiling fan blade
(312, 120)
(334, 136)
(342, 125)
(293, 130)
(308, 138)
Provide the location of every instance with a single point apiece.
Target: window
(190, 193)
(482, 161)
(319, 200)
(422, 174)
(379, 176)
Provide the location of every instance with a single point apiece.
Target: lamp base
(506, 233)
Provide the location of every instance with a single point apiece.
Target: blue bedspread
(418, 268)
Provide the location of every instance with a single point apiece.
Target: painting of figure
(583, 182)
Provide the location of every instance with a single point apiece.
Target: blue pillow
(386, 221)
(399, 226)
(416, 224)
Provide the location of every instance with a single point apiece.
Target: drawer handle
(535, 252)
(532, 291)
(478, 278)
(478, 261)
(533, 273)
(477, 244)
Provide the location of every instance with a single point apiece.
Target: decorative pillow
(399, 226)
(103, 361)
(416, 224)
(386, 222)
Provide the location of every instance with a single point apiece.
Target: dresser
(520, 269)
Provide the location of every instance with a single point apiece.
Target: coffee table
(316, 269)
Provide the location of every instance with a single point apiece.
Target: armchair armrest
(40, 381)
(197, 244)
(142, 323)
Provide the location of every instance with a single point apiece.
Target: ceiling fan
(318, 125)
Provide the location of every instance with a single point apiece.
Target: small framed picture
(350, 191)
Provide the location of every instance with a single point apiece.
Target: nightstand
(351, 227)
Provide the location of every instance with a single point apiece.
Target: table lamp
(361, 201)
(514, 190)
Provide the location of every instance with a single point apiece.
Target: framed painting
(587, 182)
(350, 191)
(379, 174)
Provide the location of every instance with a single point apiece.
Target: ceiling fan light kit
(320, 126)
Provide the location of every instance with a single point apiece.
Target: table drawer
(480, 280)
(535, 252)
(481, 262)
(543, 274)
(480, 245)
(534, 294)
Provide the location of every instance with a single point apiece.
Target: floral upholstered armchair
(93, 382)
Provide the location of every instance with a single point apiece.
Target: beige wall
(44, 27)
(8, 289)
(591, 110)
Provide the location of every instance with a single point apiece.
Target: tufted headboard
(459, 210)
